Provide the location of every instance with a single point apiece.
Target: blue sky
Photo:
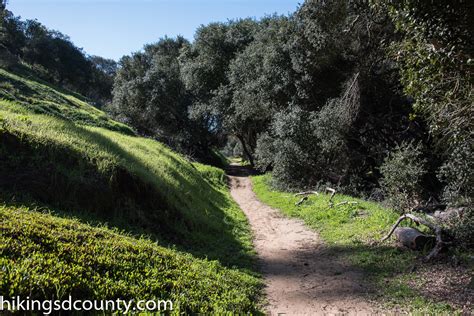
(113, 28)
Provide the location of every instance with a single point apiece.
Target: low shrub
(402, 173)
(460, 228)
(457, 173)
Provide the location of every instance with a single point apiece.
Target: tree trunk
(247, 153)
(439, 245)
(412, 238)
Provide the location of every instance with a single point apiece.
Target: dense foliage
(326, 94)
(313, 96)
(149, 95)
(435, 57)
(402, 175)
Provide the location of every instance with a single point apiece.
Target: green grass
(352, 233)
(344, 224)
(239, 161)
(58, 151)
(46, 256)
(131, 181)
(29, 95)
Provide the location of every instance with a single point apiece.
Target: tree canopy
(54, 58)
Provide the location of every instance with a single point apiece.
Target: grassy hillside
(31, 95)
(352, 232)
(59, 151)
(46, 256)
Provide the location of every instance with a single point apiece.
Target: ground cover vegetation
(44, 256)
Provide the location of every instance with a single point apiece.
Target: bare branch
(400, 219)
(333, 192)
(304, 198)
(418, 220)
(307, 193)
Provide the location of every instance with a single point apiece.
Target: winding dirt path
(301, 275)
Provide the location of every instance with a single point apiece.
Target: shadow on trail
(240, 171)
(361, 271)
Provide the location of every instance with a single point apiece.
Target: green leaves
(150, 94)
(435, 54)
(402, 174)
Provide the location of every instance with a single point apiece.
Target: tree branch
(418, 220)
(307, 193)
(333, 192)
(304, 198)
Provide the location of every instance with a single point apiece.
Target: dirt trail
(301, 276)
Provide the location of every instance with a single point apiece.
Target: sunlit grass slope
(133, 181)
(59, 151)
(30, 95)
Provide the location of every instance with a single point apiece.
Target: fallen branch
(333, 192)
(439, 244)
(307, 193)
(304, 198)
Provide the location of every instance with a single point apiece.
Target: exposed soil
(301, 276)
